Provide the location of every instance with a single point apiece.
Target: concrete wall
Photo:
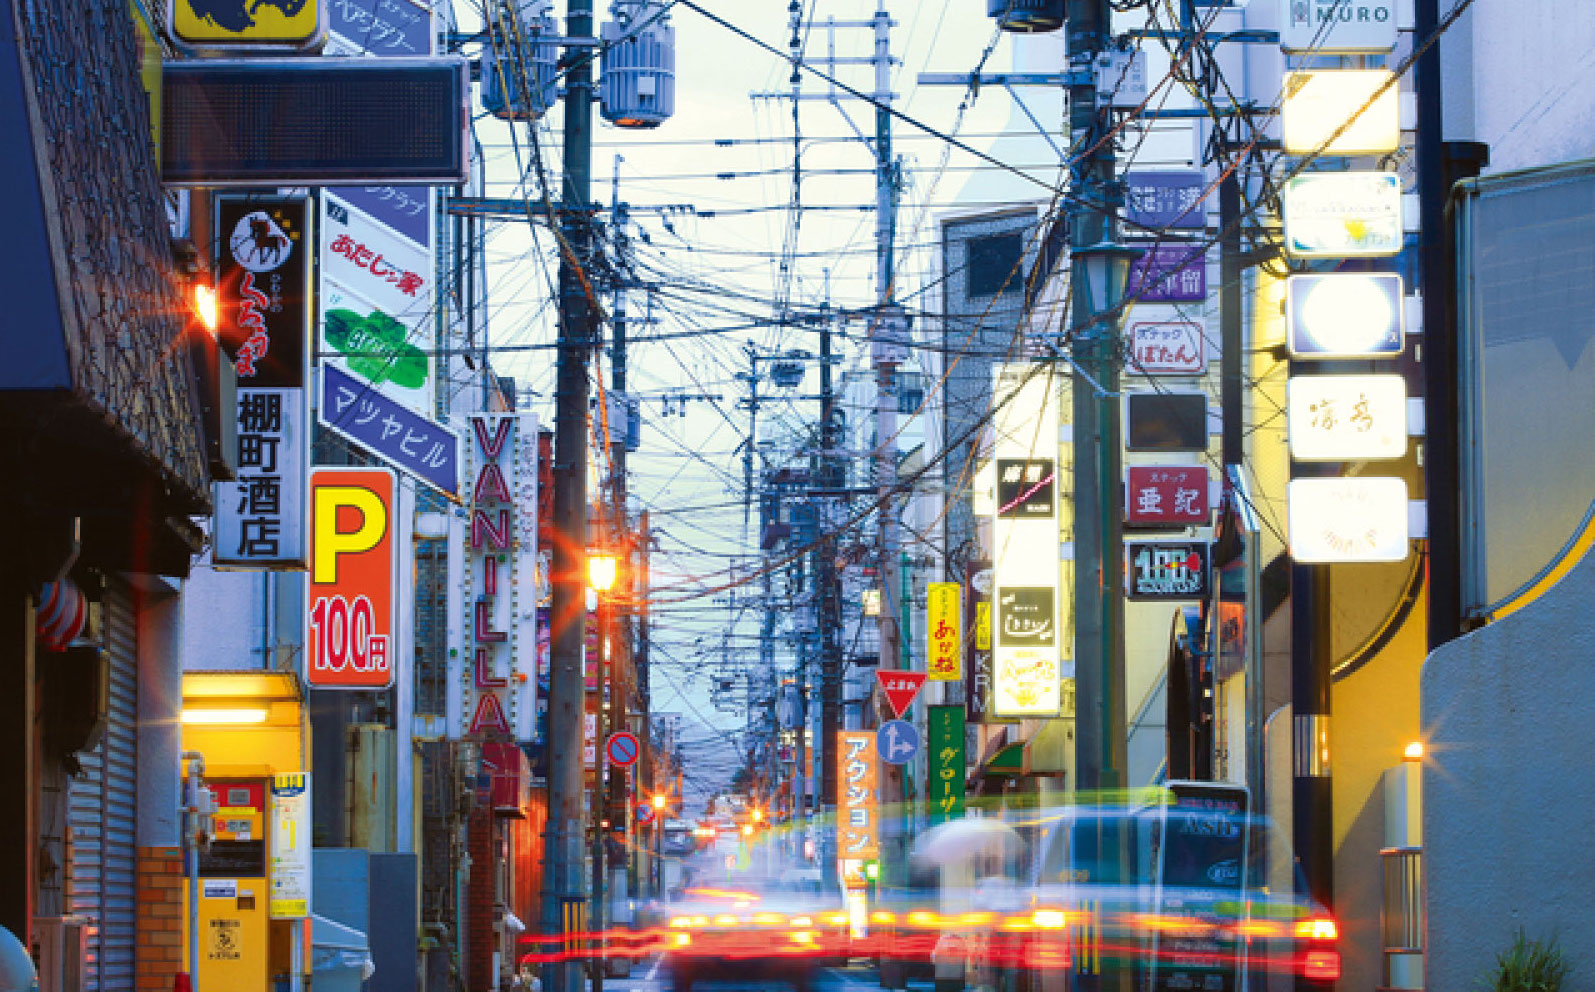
(1507, 803)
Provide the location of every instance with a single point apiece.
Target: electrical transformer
(1027, 15)
(638, 85)
(518, 65)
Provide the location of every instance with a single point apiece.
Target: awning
(1009, 760)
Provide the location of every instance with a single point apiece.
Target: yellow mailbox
(253, 732)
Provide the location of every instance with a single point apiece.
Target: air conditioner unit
(63, 943)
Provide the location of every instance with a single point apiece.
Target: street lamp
(602, 570)
(1104, 271)
(1027, 16)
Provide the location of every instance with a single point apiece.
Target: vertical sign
(263, 317)
(978, 645)
(947, 759)
(350, 596)
(944, 632)
(1030, 646)
(502, 572)
(859, 830)
(290, 846)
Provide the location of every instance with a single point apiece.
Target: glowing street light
(602, 571)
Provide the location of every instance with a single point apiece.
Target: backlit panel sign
(944, 632)
(857, 808)
(1163, 571)
(349, 641)
(1344, 315)
(1347, 417)
(1341, 112)
(1166, 495)
(1352, 519)
(244, 25)
(1343, 215)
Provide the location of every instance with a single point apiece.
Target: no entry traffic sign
(622, 749)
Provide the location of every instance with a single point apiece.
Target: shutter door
(104, 812)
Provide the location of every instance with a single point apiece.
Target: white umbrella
(958, 840)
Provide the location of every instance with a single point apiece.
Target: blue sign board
(381, 27)
(405, 209)
(427, 450)
(1169, 274)
(1162, 200)
(897, 741)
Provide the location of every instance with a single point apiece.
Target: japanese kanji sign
(1168, 570)
(979, 664)
(900, 688)
(1167, 495)
(1167, 347)
(1169, 274)
(945, 796)
(379, 27)
(944, 632)
(263, 314)
(857, 810)
(1346, 417)
(376, 306)
(1162, 200)
(350, 592)
(426, 449)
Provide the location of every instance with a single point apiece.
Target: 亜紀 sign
(1352, 519)
(349, 609)
(1343, 215)
(1346, 417)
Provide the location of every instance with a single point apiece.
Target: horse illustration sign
(292, 25)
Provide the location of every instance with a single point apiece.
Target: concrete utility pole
(1098, 536)
(828, 623)
(563, 884)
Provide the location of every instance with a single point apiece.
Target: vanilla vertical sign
(501, 556)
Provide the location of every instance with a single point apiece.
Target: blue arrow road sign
(897, 742)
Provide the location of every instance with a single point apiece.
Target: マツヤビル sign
(424, 448)
(350, 588)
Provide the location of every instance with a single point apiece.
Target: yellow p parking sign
(293, 25)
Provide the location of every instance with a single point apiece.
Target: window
(996, 264)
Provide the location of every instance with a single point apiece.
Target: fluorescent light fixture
(219, 717)
(1319, 103)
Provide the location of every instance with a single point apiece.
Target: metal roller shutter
(104, 812)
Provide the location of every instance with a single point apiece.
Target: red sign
(1167, 495)
(349, 608)
(622, 748)
(900, 688)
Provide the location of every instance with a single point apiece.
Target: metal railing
(1401, 917)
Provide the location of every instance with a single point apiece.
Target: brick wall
(160, 918)
(480, 898)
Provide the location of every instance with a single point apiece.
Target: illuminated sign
(858, 827)
(1168, 571)
(1347, 417)
(219, 25)
(1348, 519)
(290, 846)
(945, 758)
(1030, 642)
(1167, 347)
(1343, 215)
(350, 591)
(1344, 315)
(1166, 495)
(1338, 27)
(1341, 112)
(944, 631)
(501, 564)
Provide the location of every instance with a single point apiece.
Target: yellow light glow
(725, 920)
(659, 802)
(1318, 103)
(680, 921)
(768, 919)
(838, 919)
(225, 716)
(1317, 929)
(205, 305)
(1347, 316)
(801, 921)
(1050, 919)
(747, 830)
(1414, 751)
(803, 937)
(758, 815)
(683, 939)
(602, 571)
(881, 916)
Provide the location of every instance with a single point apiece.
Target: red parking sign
(349, 605)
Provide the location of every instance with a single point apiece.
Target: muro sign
(1338, 27)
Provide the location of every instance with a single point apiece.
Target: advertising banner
(1343, 215)
(290, 846)
(263, 310)
(858, 812)
(1030, 644)
(1348, 519)
(946, 756)
(349, 606)
(944, 631)
(979, 675)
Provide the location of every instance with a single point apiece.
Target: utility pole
(829, 620)
(1098, 536)
(563, 896)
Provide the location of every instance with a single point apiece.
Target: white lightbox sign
(1343, 215)
(1347, 417)
(1338, 27)
(1345, 315)
(1348, 519)
(1031, 638)
(1318, 103)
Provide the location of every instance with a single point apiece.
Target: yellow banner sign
(944, 610)
(290, 24)
(857, 810)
